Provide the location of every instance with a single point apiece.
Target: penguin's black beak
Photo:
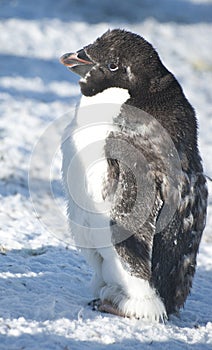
(77, 62)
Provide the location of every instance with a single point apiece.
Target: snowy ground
(44, 282)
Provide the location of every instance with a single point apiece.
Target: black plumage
(162, 253)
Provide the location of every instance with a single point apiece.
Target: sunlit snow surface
(44, 282)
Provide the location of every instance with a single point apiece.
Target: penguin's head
(117, 59)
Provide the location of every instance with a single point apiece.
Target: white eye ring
(113, 67)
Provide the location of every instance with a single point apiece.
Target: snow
(44, 281)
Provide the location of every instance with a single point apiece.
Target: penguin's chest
(94, 122)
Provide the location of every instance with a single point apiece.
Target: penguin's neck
(111, 95)
(101, 108)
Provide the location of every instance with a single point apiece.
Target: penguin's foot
(105, 306)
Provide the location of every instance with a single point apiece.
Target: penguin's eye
(113, 67)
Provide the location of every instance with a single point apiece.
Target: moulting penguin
(143, 248)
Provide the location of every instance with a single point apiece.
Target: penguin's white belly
(89, 143)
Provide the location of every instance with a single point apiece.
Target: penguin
(133, 176)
